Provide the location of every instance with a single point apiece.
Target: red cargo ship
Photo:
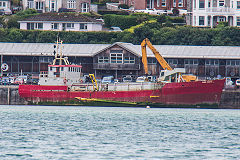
(64, 82)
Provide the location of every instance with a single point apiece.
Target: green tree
(15, 35)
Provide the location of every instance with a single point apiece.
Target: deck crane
(168, 72)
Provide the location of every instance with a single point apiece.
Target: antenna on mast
(57, 56)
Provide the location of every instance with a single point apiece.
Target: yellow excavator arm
(158, 56)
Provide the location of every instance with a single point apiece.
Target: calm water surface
(53, 132)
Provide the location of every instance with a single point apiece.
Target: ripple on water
(52, 132)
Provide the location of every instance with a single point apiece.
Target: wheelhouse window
(116, 58)
(70, 25)
(83, 26)
(103, 60)
(55, 25)
(85, 7)
(129, 60)
(201, 20)
(71, 4)
(201, 3)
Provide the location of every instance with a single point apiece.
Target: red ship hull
(184, 93)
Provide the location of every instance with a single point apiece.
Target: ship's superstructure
(61, 72)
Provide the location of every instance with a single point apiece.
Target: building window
(180, 3)
(158, 3)
(233, 62)
(39, 5)
(201, 20)
(174, 3)
(221, 3)
(194, 20)
(2, 4)
(201, 3)
(238, 4)
(238, 21)
(70, 25)
(38, 25)
(163, 3)
(71, 4)
(116, 51)
(191, 61)
(152, 61)
(29, 4)
(83, 26)
(55, 25)
(30, 26)
(212, 62)
(130, 60)
(85, 7)
(103, 60)
(116, 58)
(172, 61)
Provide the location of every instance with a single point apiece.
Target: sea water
(55, 132)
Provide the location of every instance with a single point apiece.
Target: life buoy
(4, 67)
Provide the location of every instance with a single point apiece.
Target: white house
(56, 5)
(61, 22)
(207, 13)
(5, 4)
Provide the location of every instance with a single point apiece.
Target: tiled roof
(63, 17)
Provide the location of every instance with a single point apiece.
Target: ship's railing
(131, 86)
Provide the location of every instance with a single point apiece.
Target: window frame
(85, 7)
(116, 58)
(129, 60)
(103, 59)
(55, 26)
(71, 4)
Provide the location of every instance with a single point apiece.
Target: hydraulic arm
(158, 56)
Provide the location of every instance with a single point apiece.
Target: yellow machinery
(160, 59)
(94, 82)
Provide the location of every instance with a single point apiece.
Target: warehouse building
(121, 59)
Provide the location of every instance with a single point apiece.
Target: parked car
(12, 80)
(5, 81)
(108, 79)
(21, 79)
(127, 79)
(32, 81)
(238, 83)
(115, 29)
(5, 11)
(141, 79)
(228, 81)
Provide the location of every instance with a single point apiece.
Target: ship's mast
(60, 57)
